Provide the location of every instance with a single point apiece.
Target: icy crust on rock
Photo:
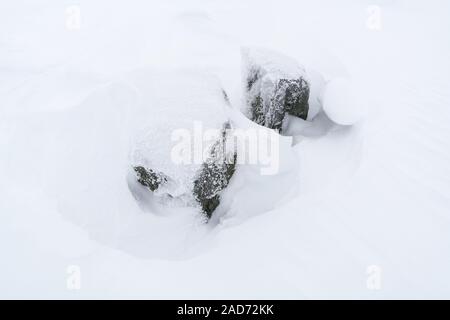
(175, 109)
(275, 85)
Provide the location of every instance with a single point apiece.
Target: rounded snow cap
(340, 103)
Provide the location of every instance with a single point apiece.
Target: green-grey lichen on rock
(275, 86)
(149, 178)
(215, 174)
(291, 97)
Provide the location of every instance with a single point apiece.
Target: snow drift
(375, 193)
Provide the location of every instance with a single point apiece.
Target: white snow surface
(376, 193)
(271, 63)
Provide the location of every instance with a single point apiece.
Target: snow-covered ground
(367, 215)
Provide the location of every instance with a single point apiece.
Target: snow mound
(341, 104)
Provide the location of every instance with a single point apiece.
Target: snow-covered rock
(174, 153)
(275, 85)
(151, 179)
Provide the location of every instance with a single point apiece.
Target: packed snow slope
(373, 194)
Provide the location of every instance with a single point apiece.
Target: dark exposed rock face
(272, 93)
(291, 95)
(215, 174)
(149, 178)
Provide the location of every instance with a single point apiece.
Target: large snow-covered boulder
(181, 128)
(275, 86)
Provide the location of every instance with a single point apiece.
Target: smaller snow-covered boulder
(275, 85)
